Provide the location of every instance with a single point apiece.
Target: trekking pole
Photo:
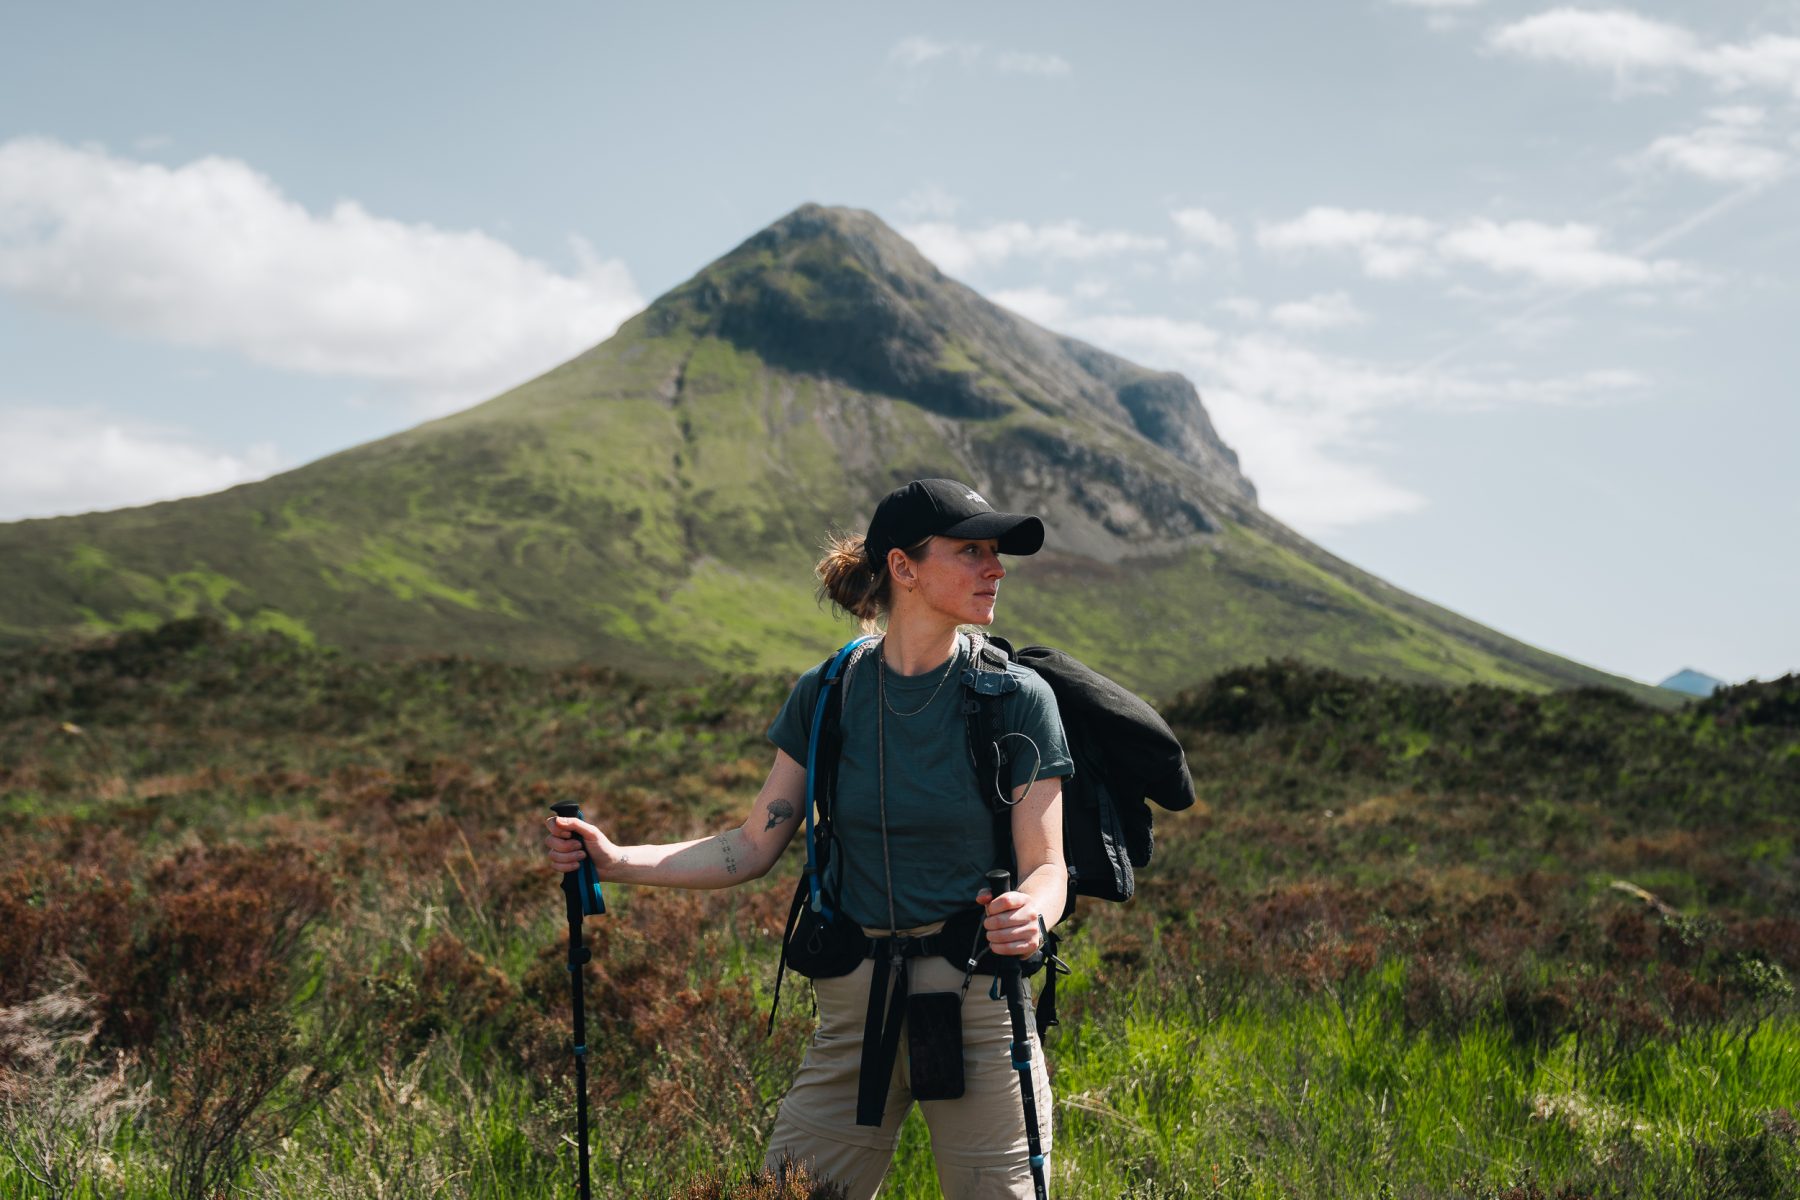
(1000, 881)
(581, 894)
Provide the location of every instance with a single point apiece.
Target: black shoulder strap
(984, 682)
(822, 751)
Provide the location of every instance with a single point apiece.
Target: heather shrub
(320, 877)
(63, 1103)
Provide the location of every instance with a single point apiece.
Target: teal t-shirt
(940, 834)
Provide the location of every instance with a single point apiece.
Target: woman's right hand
(570, 839)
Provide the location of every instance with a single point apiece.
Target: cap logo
(976, 497)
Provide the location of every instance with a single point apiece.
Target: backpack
(1124, 754)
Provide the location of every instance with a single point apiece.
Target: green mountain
(657, 502)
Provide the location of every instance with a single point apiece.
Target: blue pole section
(1012, 987)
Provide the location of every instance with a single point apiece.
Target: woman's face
(959, 578)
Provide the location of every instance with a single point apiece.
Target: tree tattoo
(779, 811)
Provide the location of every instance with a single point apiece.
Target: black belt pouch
(934, 1046)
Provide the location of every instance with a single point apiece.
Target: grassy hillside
(277, 915)
(656, 504)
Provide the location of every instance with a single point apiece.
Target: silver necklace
(955, 653)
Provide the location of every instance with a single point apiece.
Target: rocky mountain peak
(836, 292)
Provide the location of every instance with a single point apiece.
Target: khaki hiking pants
(978, 1141)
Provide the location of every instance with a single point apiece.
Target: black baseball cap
(946, 508)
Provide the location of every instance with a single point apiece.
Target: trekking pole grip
(583, 884)
(999, 880)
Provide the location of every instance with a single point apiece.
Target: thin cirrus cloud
(1643, 51)
(919, 52)
(212, 254)
(55, 462)
(1397, 245)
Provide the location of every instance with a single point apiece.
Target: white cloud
(1021, 62)
(212, 254)
(1323, 226)
(1770, 62)
(1615, 40)
(1307, 423)
(1202, 227)
(1569, 255)
(1732, 147)
(956, 249)
(1390, 245)
(1327, 310)
(1395, 245)
(1299, 421)
(54, 462)
(1640, 50)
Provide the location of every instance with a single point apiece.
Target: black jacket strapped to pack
(1124, 753)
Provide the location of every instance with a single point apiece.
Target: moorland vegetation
(275, 921)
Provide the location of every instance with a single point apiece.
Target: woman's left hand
(1013, 923)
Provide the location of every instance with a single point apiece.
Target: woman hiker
(912, 843)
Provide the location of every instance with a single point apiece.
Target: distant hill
(1690, 682)
(657, 502)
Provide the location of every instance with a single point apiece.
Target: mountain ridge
(656, 502)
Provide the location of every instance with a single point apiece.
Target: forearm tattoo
(779, 811)
(730, 855)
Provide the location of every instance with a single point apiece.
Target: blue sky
(1495, 299)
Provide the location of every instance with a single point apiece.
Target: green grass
(1330, 1098)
